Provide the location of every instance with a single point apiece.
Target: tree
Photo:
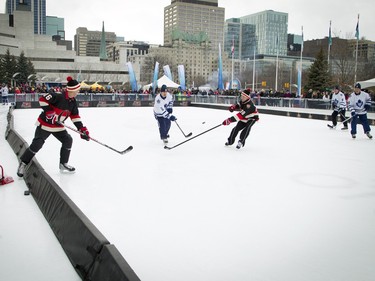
(318, 75)
(8, 65)
(22, 68)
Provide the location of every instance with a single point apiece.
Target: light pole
(13, 82)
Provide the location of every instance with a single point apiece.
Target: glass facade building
(37, 7)
(271, 31)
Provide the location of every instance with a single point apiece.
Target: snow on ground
(297, 203)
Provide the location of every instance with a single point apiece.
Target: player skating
(359, 104)
(163, 108)
(338, 102)
(245, 119)
(56, 108)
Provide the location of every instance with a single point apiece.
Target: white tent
(164, 80)
(367, 83)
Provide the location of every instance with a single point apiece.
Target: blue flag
(220, 85)
(155, 80)
(357, 29)
(181, 76)
(133, 80)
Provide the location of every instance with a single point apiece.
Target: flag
(167, 72)
(133, 80)
(232, 48)
(181, 76)
(357, 29)
(220, 85)
(155, 80)
(329, 35)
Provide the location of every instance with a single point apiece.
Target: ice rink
(297, 203)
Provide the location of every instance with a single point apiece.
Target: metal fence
(214, 99)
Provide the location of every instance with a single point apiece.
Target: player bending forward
(246, 118)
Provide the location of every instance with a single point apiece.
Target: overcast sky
(143, 20)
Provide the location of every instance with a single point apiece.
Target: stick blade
(189, 135)
(168, 148)
(130, 148)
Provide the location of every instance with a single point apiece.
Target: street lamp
(13, 81)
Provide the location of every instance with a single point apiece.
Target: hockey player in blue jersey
(338, 102)
(359, 104)
(163, 108)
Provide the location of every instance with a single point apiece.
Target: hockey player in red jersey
(57, 107)
(245, 119)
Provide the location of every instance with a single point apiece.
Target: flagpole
(329, 44)
(254, 71)
(356, 51)
(232, 62)
(277, 61)
(300, 69)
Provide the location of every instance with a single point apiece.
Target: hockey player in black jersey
(246, 118)
(57, 107)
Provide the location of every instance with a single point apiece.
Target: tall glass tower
(38, 7)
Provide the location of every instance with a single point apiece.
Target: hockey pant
(241, 126)
(38, 142)
(164, 126)
(341, 113)
(364, 121)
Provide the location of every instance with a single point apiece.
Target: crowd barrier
(91, 254)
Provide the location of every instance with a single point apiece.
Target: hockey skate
(21, 169)
(227, 144)
(239, 145)
(165, 141)
(331, 126)
(353, 136)
(65, 168)
(344, 128)
(369, 135)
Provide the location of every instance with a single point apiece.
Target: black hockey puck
(27, 192)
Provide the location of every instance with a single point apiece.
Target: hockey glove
(227, 122)
(367, 107)
(170, 110)
(85, 133)
(232, 108)
(353, 113)
(172, 118)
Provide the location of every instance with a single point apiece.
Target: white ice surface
(28, 248)
(297, 203)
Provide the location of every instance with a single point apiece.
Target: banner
(155, 80)
(299, 80)
(133, 80)
(181, 76)
(167, 72)
(220, 85)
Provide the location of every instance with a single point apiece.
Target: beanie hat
(163, 88)
(357, 86)
(246, 93)
(72, 85)
(337, 87)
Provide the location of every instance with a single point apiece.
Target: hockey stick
(169, 148)
(186, 136)
(347, 119)
(128, 149)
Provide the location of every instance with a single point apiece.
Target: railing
(215, 99)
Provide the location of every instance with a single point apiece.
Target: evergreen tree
(318, 74)
(22, 68)
(8, 64)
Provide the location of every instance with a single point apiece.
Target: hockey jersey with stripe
(247, 111)
(54, 105)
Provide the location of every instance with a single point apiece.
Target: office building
(37, 7)
(270, 30)
(87, 43)
(196, 20)
(241, 37)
